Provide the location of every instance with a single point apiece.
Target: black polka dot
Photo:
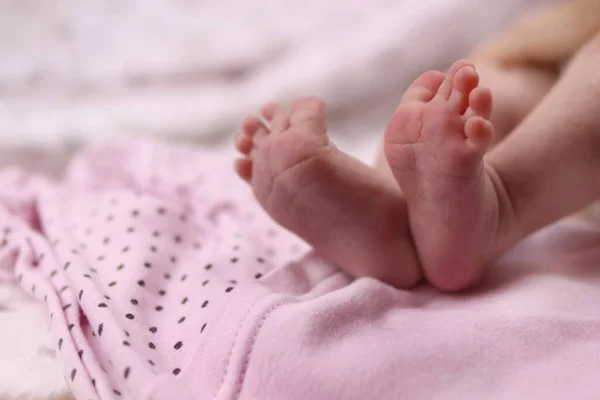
(100, 258)
(156, 234)
(208, 266)
(126, 343)
(33, 289)
(167, 275)
(234, 260)
(161, 210)
(162, 292)
(93, 382)
(130, 229)
(93, 270)
(100, 329)
(203, 327)
(125, 249)
(106, 240)
(236, 247)
(126, 373)
(177, 238)
(106, 297)
(229, 289)
(183, 217)
(181, 320)
(173, 259)
(73, 373)
(151, 345)
(205, 282)
(135, 213)
(109, 218)
(233, 281)
(141, 283)
(147, 265)
(80, 295)
(88, 276)
(60, 343)
(205, 303)
(260, 260)
(71, 326)
(197, 246)
(80, 353)
(74, 251)
(126, 333)
(115, 391)
(176, 371)
(53, 273)
(134, 302)
(158, 308)
(129, 316)
(102, 305)
(257, 275)
(113, 283)
(120, 267)
(151, 362)
(184, 300)
(66, 265)
(46, 298)
(153, 329)
(183, 277)
(153, 249)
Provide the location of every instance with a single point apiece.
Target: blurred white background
(83, 69)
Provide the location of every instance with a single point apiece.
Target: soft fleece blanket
(165, 280)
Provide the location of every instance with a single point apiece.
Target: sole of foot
(434, 145)
(349, 212)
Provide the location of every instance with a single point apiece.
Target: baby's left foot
(350, 213)
(435, 144)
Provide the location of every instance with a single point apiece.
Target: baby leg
(549, 165)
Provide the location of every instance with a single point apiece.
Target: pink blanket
(164, 280)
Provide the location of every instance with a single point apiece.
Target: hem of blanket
(218, 359)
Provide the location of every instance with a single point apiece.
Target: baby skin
(437, 217)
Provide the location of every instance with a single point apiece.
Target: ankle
(504, 218)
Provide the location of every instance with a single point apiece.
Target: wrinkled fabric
(165, 280)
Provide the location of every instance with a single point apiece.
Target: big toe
(308, 114)
(465, 81)
(458, 79)
(424, 87)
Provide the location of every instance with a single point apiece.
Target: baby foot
(434, 145)
(346, 210)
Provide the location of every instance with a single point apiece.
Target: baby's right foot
(347, 211)
(434, 145)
